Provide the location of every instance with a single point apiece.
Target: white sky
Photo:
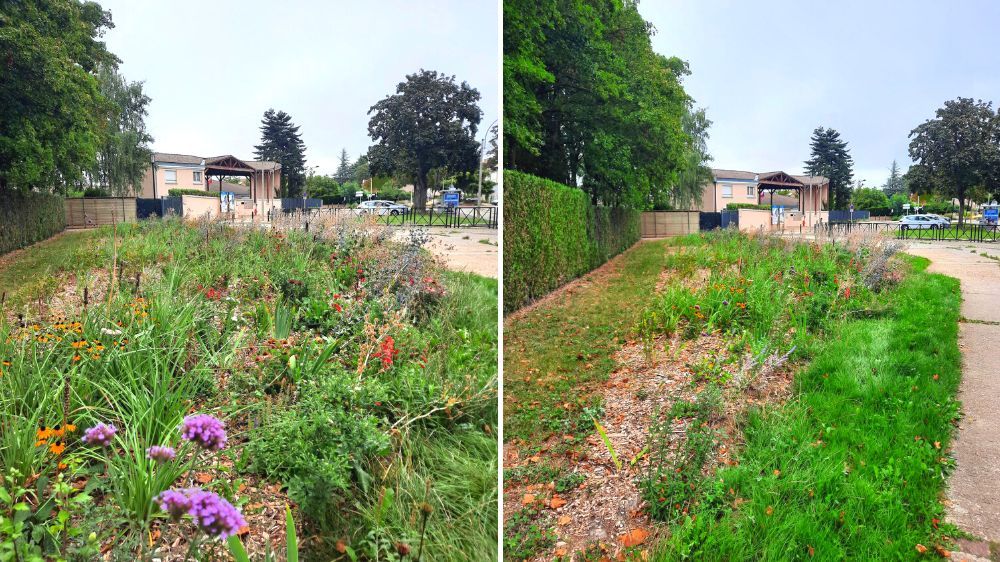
(213, 67)
(771, 71)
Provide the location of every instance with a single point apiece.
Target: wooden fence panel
(660, 224)
(83, 212)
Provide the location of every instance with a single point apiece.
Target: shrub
(26, 218)
(735, 206)
(177, 192)
(552, 234)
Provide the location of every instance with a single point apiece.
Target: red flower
(388, 352)
(337, 307)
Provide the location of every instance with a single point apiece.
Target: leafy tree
(831, 159)
(957, 151)
(429, 122)
(51, 109)
(694, 174)
(588, 102)
(360, 170)
(895, 183)
(344, 171)
(123, 154)
(867, 198)
(280, 142)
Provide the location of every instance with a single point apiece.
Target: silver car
(919, 222)
(381, 208)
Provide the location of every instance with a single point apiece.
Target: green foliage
(281, 142)
(894, 183)
(856, 456)
(430, 122)
(588, 101)
(734, 206)
(26, 218)
(830, 158)
(51, 109)
(957, 151)
(178, 192)
(552, 234)
(123, 154)
(344, 168)
(867, 199)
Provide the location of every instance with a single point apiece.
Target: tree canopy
(430, 122)
(588, 102)
(895, 182)
(831, 159)
(52, 113)
(345, 170)
(867, 198)
(123, 154)
(957, 151)
(280, 142)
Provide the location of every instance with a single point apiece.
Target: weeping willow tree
(123, 154)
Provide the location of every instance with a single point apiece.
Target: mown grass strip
(853, 466)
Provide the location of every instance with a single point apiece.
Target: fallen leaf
(634, 537)
(564, 520)
(341, 546)
(528, 499)
(769, 510)
(556, 502)
(921, 548)
(812, 551)
(203, 477)
(560, 551)
(243, 530)
(942, 551)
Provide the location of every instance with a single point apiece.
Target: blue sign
(451, 198)
(991, 213)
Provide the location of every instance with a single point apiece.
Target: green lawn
(860, 452)
(28, 274)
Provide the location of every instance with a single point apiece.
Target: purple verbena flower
(175, 502)
(205, 430)
(161, 454)
(101, 434)
(214, 515)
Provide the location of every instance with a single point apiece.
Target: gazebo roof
(227, 164)
(778, 180)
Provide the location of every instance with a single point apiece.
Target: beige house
(735, 186)
(182, 171)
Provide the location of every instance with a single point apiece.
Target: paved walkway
(974, 487)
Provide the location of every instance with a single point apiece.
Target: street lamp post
(482, 150)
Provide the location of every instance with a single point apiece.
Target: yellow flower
(76, 358)
(5, 363)
(57, 448)
(70, 427)
(79, 344)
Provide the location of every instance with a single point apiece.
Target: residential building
(807, 204)
(183, 171)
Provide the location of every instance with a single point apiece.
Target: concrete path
(974, 487)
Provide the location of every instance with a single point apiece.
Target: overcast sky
(769, 72)
(213, 67)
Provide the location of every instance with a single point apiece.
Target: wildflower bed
(174, 399)
(770, 400)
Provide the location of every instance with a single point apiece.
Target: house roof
(191, 159)
(176, 158)
(718, 173)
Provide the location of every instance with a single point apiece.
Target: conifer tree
(831, 160)
(280, 142)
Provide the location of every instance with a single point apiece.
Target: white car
(945, 220)
(919, 222)
(378, 207)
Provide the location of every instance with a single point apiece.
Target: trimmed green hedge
(552, 234)
(26, 218)
(178, 192)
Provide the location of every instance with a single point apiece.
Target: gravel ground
(469, 249)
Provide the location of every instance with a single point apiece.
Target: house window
(171, 175)
(197, 177)
(750, 192)
(727, 190)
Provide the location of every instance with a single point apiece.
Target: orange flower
(76, 358)
(57, 448)
(70, 427)
(62, 466)
(43, 434)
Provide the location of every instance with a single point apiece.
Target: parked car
(922, 222)
(945, 220)
(378, 207)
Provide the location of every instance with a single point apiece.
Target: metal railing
(966, 232)
(459, 217)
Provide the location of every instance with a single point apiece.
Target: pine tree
(895, 183)
(345, 169)
(280, 142)
(831, 160)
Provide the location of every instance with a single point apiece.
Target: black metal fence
(460, 217)
(844, 216)
(709, 220)
(146, 208)
(966, 232)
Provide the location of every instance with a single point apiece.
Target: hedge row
(26, 218)
(552, 234)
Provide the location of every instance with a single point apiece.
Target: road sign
(451, 198)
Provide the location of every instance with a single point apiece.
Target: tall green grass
(853, 465)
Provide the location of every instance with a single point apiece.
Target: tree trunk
(961, 207)
(420, 192)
